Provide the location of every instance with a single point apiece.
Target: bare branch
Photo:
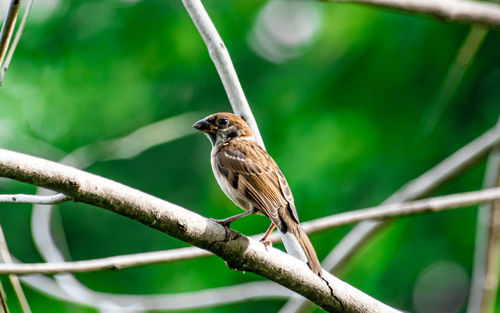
(133, 144)
(483, 290)
(8, 28)
(453, 78)
(493, 264)
(3, 300)
(17, 37)
(241, 253)
(381, 212)
(110, 263)
(20, 198)
(419, 187)
(223, 63)
(463, 11)
(7, 259)
(187, 300)
(402, 209)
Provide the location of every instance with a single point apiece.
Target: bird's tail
(298, 244)
(307, 247)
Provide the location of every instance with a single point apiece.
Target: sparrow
(250, 177)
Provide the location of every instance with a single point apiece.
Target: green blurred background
(349, 108)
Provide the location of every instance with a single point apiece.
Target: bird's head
(221, 127)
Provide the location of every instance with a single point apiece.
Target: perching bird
(252, 180)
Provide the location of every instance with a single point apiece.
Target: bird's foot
(266, 242)
(230, 234)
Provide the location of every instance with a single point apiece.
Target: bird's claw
(230, 234)
(266, 242)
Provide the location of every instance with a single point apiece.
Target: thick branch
(241, 253)
(464, 11)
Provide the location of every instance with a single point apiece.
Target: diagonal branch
(16, 284)
(463, 11)
(17, 37)
(241, 253)
(8, 28)
(220, 56)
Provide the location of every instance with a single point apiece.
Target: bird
(250, 177)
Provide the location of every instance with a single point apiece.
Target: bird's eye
(223, 121)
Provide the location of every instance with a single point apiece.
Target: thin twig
(180, 301)
(479, 295)
(493, 265)
(451, 82)
(463, 11)
(8, 29)
(21, 198)
(381, 212)
(3, 299)
(17, 37)
(4, 252)
(133, 144)
(109, 263)
(482, 234)
(424, 184)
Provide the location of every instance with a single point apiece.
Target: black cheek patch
(236, 178)
(212, 137)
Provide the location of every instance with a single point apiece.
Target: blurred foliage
(343, 120)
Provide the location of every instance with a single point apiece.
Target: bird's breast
(222, 177)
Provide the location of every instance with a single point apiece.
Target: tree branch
(484, 280)
(20, 198)
(463, 11)
(18, 289)
(223, 64)
(181, 301)
(380, 212)
(17, 37)
(241, 253)
(8, 29)
(424, 184)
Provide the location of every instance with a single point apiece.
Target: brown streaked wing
(287, 193)
(258, 179)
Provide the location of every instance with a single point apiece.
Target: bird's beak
(204, 126)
